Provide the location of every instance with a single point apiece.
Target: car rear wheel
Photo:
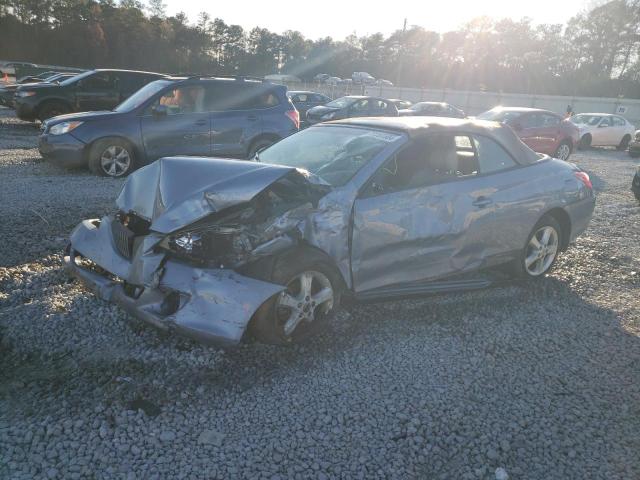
(624, 143)
(585, 142)
(542, 248)
(52, 109)
(563, 151)
(111, 157)
(311, 297)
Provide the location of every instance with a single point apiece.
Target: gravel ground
(525, 381)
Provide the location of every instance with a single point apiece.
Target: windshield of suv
(583, 119)
(341, 102)
(503, 116)
(335, 154)
(142, 95)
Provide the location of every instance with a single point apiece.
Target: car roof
(601, 114)
(306, 92)
(416, 127)
(522, 109)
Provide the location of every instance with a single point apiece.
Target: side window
(302, 97)
(99, 81)
(188, 99)
(532, 120)
(491, 156)
(618, 122)
(427, 161)
(222, 96)
(550, 120)
(606, 122)
(360, 106)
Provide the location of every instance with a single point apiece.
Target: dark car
(400, 104)
(40, 77)
(352, 106)
(303, 101)
(92, 90)
(432, 109)
(234, 117)
(7, 92)
(543, 131)
(366, 208)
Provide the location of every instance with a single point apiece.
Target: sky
(339, 18)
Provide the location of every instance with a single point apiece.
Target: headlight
(329, 116)
(64, 127)
(30, 93)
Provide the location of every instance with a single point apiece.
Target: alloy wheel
(541, 251)
(115, 161)
(308, 296)
(563, 152)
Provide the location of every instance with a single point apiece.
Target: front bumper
(213, 306)
(24, 109)
(64, 150)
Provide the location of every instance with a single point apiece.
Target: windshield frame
(361, 175)
(80, 76)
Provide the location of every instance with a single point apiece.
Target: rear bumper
(213, 306)
(64, 150)
(580, 214)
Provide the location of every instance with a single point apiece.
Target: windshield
(341, 102)
(335, 154)
(586, 119)
(71, 80)
(142, 95)
(503, 116)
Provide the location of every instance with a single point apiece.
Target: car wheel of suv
(585, 142)
(258, 145)
(563, 151)
(312, 295)
(542, 248)
(624, 143)
(52, 109)
(111, 157)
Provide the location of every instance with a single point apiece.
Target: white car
(603, 130)
(333, 81)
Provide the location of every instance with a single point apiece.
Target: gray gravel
(526, 381)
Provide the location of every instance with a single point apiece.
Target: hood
(174, 192)
(321, 110)
(406, 112)
(82, 116)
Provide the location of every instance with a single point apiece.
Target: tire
(563, 151)
(258, 145)
(624, 143)
(532, 264)
(291, 317)
(52, 109)
(585, 142)
(112, 157)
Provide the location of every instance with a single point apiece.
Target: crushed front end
(181, 272)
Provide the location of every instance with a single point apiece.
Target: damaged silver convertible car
(366, 208)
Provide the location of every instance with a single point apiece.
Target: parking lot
(540, 379)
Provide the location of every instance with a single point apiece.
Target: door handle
(201, 123)
(482, 202)
(252, 118)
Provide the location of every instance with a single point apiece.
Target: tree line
(596, 53)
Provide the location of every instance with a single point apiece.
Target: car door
(177, 123)
(424, 215)
(359, 108)
(97, 92)
(604, 134)
(379, 108)
(619, 128)
(527, 126)
(548, 133)
(234, 116)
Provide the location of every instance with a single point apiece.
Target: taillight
(294, 116)
(584, 178)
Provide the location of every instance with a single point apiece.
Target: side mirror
(159, 111)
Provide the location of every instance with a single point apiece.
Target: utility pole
(401, 53)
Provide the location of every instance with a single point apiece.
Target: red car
(543, 131)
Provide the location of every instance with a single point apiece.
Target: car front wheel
(624, 143)
(111, 157)
(311, 297)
